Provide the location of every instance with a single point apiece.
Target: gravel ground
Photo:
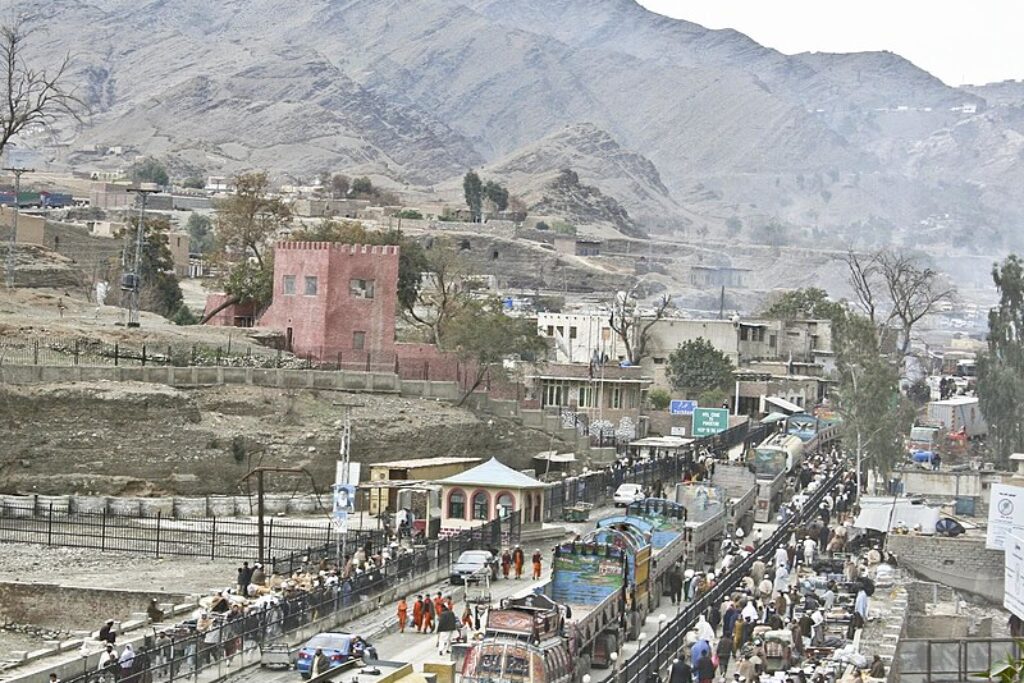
(12, 642)
(96, 569)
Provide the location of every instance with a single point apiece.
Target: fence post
(117, 353)
(103, 530)
(49, 526)
(76, 352)
(270, 536)
(35, 352)
(143, 355)
(213, 539)
(159, 515)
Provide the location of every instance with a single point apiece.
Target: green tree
(246, 222)
(697, 367)
(868, 398)
(159, 291)
(473, 190)
(496, 194)
(411, 214)
(1001, 367)
(362, 187)
(483, 336)
(200, 232)
(812, 303)
(340, 185)
(149, 170)
(193, 183)
(659, 398)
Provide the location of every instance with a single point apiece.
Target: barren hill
(419, 91)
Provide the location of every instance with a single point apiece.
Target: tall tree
(496, 195)
(200, 233)
(1001, 367)
(633, 325)
(441, 299)
(149, 170)
(810, 303)
(895, 290)
(697, 368)
(482, 335)
(32, 96)
(246, 222)
(159, 291)
(473, 190)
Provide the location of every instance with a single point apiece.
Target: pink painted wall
(324, 324)
(226, 317)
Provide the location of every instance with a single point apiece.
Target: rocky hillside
(739, 134)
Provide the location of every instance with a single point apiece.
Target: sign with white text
(1005, 515)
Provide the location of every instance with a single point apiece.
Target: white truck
(960, 413)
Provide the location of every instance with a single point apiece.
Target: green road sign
(708, 421)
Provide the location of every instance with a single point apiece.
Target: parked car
(470, 562)
(337, 647)
(628, 493)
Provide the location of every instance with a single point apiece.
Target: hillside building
(332, 299)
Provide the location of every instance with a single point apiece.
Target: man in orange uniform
(403, 615)
(428, 614)
(417, 614)
(537, 557)
(506, 563)
(517, 561)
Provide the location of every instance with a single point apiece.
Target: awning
(784, 405)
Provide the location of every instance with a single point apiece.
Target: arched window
(481, 505)
(457, 504)
(505, 503)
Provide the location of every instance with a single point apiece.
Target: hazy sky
(960, 41)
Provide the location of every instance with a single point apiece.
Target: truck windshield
(769, 463)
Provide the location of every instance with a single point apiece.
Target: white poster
(1005, 515)
(1013, 590)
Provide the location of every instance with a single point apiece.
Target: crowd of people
(793, 614)
(261, 607)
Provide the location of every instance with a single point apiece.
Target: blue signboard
(680, 407)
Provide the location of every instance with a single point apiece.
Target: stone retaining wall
(177, 507)
(962, 563)
(73, 609)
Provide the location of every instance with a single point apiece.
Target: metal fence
(948, 660)
(184, 650)
(653, 657)
(213, 537)
(598, 486)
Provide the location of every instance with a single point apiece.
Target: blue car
(337, 647)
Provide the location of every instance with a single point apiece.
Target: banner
(1005, 515)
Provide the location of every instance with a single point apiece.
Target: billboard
(1005, 515)
(710, 421)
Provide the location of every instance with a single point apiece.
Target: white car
(628, 493)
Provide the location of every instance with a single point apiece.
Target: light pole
(11, 264)
(130, 282)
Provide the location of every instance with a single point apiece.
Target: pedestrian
(417, 614)
(467, 617)
(705, 669)
(126, 662)
(107, 633)
(446, 626)
(244, 578)
(403, 615)
(438, 603)
(537, 558)
(506, 563)
(258, 577)
(107, 668)
(724, 652)
(877, 668)
(681, 672)
(320, 663)
(675, 585)
(517, 560)
(54, 678)
(155, 614)
(428, 615)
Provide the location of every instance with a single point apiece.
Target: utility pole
(131, 282)
(259, 472)
(11, 261)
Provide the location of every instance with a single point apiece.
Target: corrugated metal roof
(424, 462)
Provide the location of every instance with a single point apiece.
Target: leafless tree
(895, 291)
(440, 297)
(32, 97)
(633, 325)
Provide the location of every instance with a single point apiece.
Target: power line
(130, 281)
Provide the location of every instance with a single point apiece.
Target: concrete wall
(168, 507)
(73, 609)
(962, 563)
(950, 484)
(377, 382)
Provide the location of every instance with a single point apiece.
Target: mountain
(742, 138)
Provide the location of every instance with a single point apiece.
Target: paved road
(417, 648)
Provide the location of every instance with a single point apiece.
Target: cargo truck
(707, 517)
(740, 487)
(959, 414)
(574, 621)
(771, 460)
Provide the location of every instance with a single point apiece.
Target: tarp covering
(876, 514)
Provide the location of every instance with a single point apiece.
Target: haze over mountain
(690, 129)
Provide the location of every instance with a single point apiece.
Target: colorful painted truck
(597, 593)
